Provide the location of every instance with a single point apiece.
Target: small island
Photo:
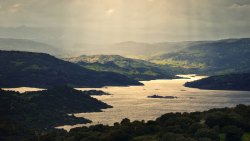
(95, 92)
(158, 96)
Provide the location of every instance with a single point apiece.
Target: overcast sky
(138, 20)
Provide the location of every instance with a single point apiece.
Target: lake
(132, 102)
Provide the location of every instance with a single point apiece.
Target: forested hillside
(20, 69)
(133, 68)
(215, 57)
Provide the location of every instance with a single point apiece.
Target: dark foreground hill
(42, 70)
(132, 68)
(225, 124)
(223, 82)
(47, 108)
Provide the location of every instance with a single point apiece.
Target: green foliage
(233, 133)
(206, 133)
(20, 69)
(133, 68)
(246, 137)
(211, 57)
(145, 138)
(168, 127)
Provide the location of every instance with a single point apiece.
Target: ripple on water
(132, 102)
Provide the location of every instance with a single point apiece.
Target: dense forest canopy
(225, 124)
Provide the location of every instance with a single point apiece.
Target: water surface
(132, 102)
(23, 89)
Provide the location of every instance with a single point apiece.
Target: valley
(124, 70)
(133, 68)
(44, 94)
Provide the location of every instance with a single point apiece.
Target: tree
(233, 133)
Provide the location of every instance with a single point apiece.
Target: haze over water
(132, 102)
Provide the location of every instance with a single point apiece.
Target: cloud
(143, 20)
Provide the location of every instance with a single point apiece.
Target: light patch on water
(23, 89)
(132, 102)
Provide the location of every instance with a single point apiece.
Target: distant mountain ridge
(133, 68)
(128, 48)
(10, 44)
(28, 69)
(140, 49)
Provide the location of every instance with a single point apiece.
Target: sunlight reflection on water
(23, 89)
(132, 102)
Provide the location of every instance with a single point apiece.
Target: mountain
(132, 48)
(73, 45)
(51, 35)
(211, 57)
(28, 45)
(128, 48)
(223, 82)
(20, 69)
(47, 108)
(132, 68)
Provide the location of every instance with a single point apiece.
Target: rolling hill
(19, 69)
(212, 57)
(223, 82)
(133, 68)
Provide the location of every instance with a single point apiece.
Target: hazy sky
(138, 20)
